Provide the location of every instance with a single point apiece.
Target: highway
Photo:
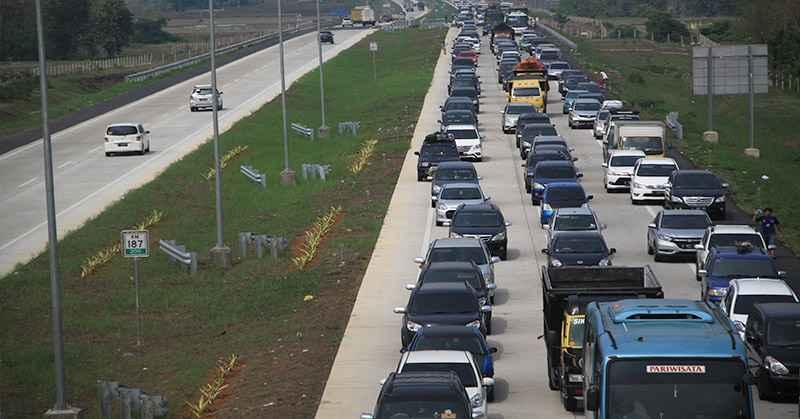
(371, 343)
(86, 181)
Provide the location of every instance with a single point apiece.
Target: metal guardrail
(254, 175)
(316, 170)
(131, 401)
(178, 254)
(559, 38)
(349, 126)
(144, 75)
(303, 130)
(673, 124)
(261, 242)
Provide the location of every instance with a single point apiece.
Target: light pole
(220, 253)
(60, 408)
(323, 129)
(287, 175)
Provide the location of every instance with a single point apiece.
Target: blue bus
(663, 359)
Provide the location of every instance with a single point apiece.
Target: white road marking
(26, 183)
(65, 164)
(94, 149)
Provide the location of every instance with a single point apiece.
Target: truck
(648, 136)
(668, 358)
(529, 69)
(363, 15)
(566, 291)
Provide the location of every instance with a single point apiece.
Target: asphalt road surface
(371, 343)
(86, 181)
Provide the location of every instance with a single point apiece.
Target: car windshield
(555, 172)
(744, 303)
(533, 132)
(697, 181)
(784, 332)
(470, 93)
(572, 95)
(518, 110)
(648, 389)
(603, 115)
(439, 150)
(577, 222)
(464, 371)
(549, 55)
(656, 170)
(745, 268)
(461, 193)
(720, 240)
(471, 277)
(579, 245)
(421, 409)
(427, 304)
(576, 328)
(685, 221)
(477, 219)
(459, 105)
(624, 161)
(456, 174)
(471, 343)
(458, 254)
(526, 91)
(544, 156)
(203, 92)
(565, 197)
(463, 134)
(458, 118)
(642, 143)
(587, 106)
(122, 130)
(559, 66)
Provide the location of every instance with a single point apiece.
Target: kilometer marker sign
(676, 369)
(135, 244)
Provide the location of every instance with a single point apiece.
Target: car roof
(458, 99)
(564, 185)
(449, 330)
(613, 153)
(461, 185)
(202, 86)
(438, 356)
(588, 234)
(123, 124)
(587, 100)
(575, 92)
(484, 206)
(451, 266)
(658, 160)
(461, 126)
(773, 311)
(446, 288)
(732, 229)
(574, 211)
(459, 242)
(759, 286)
(554, 163)
(455, 165)
(683, 212)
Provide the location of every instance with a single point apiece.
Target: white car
(454, 195)
(201, 98)
(126, 138)
(725, 235)
(650, 178)
(612, 104)
(460, 362)
(347, 23)
(468, 140)
(509, 54)
(619, 168)
(744, 292)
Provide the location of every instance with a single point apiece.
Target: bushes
(662, 26)
(150, 31)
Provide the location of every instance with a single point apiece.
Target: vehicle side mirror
(496, 259)
(574, 159)
(403, 350)
(739, 325)
(419, 261)
(367, 415)
(487, 381)
(579, 175)
(604, 165)
(219, 93)
(546, 251)
(487, 198)
(492, 350)
(399, 310)
(589, 197)
(546, 226)
(699, 247)
(411, 286)
(416, 153)
(702, 273)
(652, 225)
(147, 132)
(725, 185)
(781, 274)
(591, 398)
(524, 165)
(491, 286)
(612, 251)
(439, 121)
(486, 309)
(480, 178)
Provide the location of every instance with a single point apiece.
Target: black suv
(483, 221)
(437, 147)
(326, 36)
(421, 394)
(530, 118)
(460, 272)
(696, 189)
(529, 133)
(772, 337)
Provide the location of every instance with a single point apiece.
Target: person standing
(768, 225)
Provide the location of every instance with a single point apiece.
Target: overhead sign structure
(135, 244)
(731, 67)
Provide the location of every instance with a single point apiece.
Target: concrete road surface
(371, 343)
(87, 181)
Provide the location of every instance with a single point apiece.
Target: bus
(518, 21)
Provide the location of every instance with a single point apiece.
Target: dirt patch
(101, 81)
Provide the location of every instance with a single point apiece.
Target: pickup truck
(566, 291)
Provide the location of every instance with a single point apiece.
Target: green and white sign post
(136, 245)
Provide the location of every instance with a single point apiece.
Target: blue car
(562, 195)
(456, 338)
(725, 263)
(550, 171)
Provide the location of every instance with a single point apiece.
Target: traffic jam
(617, 345)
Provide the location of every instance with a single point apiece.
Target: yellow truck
(363, 15)
(528, 91)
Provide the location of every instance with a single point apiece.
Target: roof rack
(439, 137)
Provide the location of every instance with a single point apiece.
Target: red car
(469, 54)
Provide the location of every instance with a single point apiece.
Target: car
(463, 364)
(578, 248)
(511, 53)
(511, 114)
(201, 98)
(548, 55)
(453, 103)
(551, 171)
(566, 74)
(649, 179)
(561, 195)
(772, 337)
(725, 235)
(569, 100)
(445, 303)
(590, 87)
(583, 112)
(458, 272)
(619, 169)
(436, 148)
(451, 172)
(573, 219)
(326, 37)
(726, 263)
(505, 70)
(409, 394)
(555, 68)
(696, 189)
(568, 83)
(128, 137)
(468, 92)
(676, 232)
(539, 155)
(744, 293)
(530, 118)
(452, 196)
(458, 63)
(464, 249)
(484, 221)
(457, 338)
(464, 82)
(529, 134)
(600, 121)
(471, 54)
(468, 140)
(459, 117)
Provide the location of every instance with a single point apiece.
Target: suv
(619, 168)
(326, 37)
(126, 138)
(200, 98)
(436, 148)
(451, 172)
(676, 232)
(725, 235)
(573, 219)
(561, 195)
(550, 171)
(744, 293)
(650, 178)
(421, 393)
(772, 336)
(726, 263)
(468, 140)
(458, 272)
(578, 248)
(462, 250)
(483, 221)
(696, 189)
(529, 134)
(583, 113)
(457, 338)
(530, 118)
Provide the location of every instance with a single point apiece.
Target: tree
(112, 26)
(66, 22)
(662, 26)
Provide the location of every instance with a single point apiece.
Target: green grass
(657, 78)
(186, 317)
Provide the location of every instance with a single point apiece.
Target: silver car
(201, 98)
(451, 172)
(555, 68)
(462, 250)
(676, 232)
(573, 219)
(511, 114)
(583, 113)
(452, 196)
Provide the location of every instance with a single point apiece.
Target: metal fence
(60, 68)
(178, 254)
(303, 130)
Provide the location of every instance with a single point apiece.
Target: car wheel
(438, 223)
(192, 109)
(489, 324)
(490, 394)
(658, 257)
(534, 201)
(504, 254)
(527, 188)
(420, 178)
(649, 248)
(478, 159)
(552, 382)
(433, 204)
(569, 402)
(108, 154)
(764, 386)
(142, 151)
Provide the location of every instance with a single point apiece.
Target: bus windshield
(670, 389)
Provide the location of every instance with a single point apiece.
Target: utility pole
(287, 175)
(323, 129)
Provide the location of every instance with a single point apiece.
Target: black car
(541, 154)
(530, 132)
(441, 303)
(590, 87)
(459, 117)
(464, 272)
(578, 248)
(463, 78)
(772, 337)
(566, 74)
(425, 394)
(530, 118)
(436, 148)
(571, 83)
(696, 189)
(463, 103)
(468, 92)
(504, 70)
(484, 221)
(326, 37)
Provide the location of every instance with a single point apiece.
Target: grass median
(257, 308)
(656, 78)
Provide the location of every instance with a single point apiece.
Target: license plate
(122, 144)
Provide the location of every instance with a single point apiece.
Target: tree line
(622, 8)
